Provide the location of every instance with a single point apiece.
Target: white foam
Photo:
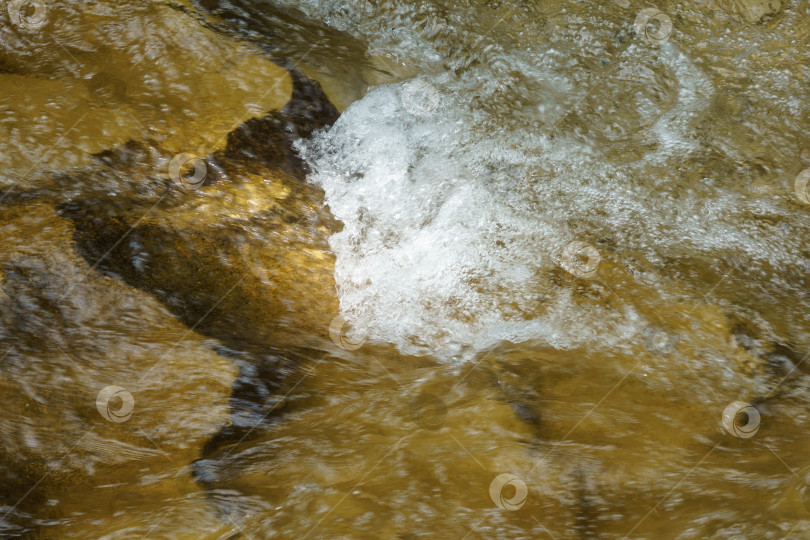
(456, 209)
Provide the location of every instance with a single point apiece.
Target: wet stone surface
(506, 269)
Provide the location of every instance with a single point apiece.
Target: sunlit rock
(103, 391)
(92, 79)
(335, 58)
(243, 254)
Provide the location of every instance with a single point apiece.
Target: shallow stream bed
(383, 269)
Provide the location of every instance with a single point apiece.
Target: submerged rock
(85, 81)
(268, 141)
(335, 58)
(105, 395)
(244, 257)
(112, 273)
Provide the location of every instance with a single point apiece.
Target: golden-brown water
(545, 277)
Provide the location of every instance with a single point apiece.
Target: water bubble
(735, 413)
(653, 25)
(115, 404)
(517, 500)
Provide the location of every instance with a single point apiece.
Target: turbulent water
(531, 127)
(545, 276)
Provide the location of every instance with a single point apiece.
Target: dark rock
(269, 140)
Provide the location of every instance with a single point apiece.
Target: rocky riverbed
(391, 270)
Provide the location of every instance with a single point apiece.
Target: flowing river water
(380, 269)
